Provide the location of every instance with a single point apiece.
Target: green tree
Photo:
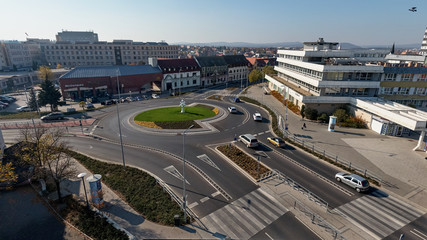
(255, 75)
(49, 95)
(311, 113)
(269, 70)
(302, 111)
(341, 115)
(32, 102)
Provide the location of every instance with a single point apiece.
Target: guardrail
(295, 185)
(316, 219)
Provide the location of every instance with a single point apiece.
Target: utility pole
(118, 119)
(184, 198)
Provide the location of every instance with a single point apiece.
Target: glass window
(407, 77)
(390, 77)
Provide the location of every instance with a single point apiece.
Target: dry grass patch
(148, 124)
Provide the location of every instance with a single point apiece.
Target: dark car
(53, 116)
(237, 100)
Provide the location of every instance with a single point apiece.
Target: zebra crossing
(379, 215)
(245, 216)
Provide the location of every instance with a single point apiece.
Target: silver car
(355, 181)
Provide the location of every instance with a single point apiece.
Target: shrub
(311, 113)
(341, 114)
(90, 222)
(323, 118)
(291, 106)
(354, 122)
(144, 194)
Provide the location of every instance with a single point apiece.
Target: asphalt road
(285, 227)
(309, 172)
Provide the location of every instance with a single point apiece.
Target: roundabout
(175, 117)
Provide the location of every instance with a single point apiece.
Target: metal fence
(295, 185)
(316, 219)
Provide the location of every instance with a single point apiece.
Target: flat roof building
(104, 81)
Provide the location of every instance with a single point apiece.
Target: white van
(249, 140)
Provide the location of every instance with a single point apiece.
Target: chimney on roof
(152, 62)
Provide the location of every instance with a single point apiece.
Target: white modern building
(321, 73)
(423, 49)
(323, 77)
(405, 80)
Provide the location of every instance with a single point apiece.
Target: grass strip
(137, 188)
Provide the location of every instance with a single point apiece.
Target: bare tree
(45, 148)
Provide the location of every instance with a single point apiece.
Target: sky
(361, 22)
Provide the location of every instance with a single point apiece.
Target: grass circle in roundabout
(172, 118)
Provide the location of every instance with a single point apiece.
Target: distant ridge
(344, 45)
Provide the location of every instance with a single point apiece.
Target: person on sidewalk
(304, 126)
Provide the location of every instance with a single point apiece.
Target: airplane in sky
(413, 9)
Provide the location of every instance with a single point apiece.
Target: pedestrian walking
(304, 126)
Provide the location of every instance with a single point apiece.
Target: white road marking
(261, 133)
(174, 172)
(419, 234)
(215, 194)
(204, 199)
(93, 129)
(90, 146)
(193, 204)
(269, 236)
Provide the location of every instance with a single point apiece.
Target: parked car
(89, 105)
(23, 109)
(107, 102)
(4, 104)
(53, 116)
(232, 109)
(257, 117)
(278, 142)
(6, 99)
(154, 95)
(353, 180)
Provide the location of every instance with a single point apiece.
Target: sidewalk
(390, 158)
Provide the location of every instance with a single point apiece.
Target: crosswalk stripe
(392, 223)
(396, 207)
(389, 211)
(371, 218)
(360, 222)
(212, 225)
(403, 206)
(254, 212)
(245, 221)
(236, 228)
(225, 227)
(273, 200)
(264, 208)
(265, 199)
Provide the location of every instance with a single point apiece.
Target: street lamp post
(118, 120)
(184, 198)
(286, 110)
(82, 175)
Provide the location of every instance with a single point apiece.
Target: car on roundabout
(277, 142)
(232, 109)
(236, 100)
(353, 180)
(257, 117)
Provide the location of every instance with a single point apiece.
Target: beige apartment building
(118, 52)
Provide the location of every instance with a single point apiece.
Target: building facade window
(406, 77)
(387, 90)
(403, 90)
(390, 77)
(422, 77)
(420, 91)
